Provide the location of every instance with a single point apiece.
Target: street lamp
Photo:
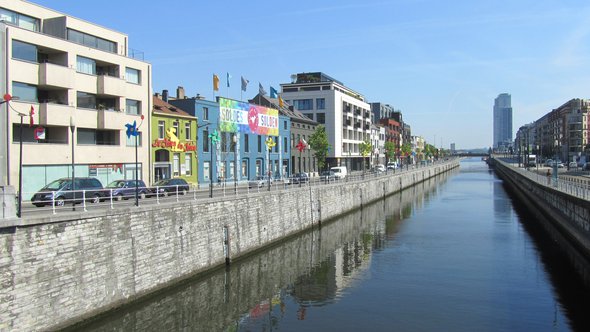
(270, 143)
(5, 99)
(235, 139)
(72, 130)
(213, 138)
(300, 146)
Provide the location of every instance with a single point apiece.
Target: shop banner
(236, 116)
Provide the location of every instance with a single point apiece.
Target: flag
(281, 102)
(273, 92)
(244, 83)
(261, 89)
(31, 113)
(215, 83)
(228, 78)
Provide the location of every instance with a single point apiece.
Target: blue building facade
(243, 154)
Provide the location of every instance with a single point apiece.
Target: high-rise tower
(502, 122)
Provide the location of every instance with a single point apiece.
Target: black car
(169, 186)
(299, 178)
(328, 176)
(125, 189)
(59, 192)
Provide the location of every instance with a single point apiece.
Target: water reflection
(308, 271)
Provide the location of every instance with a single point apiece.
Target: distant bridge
(469, 154)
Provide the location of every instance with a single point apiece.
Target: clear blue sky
(441, 63)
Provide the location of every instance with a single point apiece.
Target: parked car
(259, 182)
(125, 189)
(170, 186)
(558, 163)
(391, 165)
(299, 178)
(60, 191)
(573, 165)
(549, 162)
(340, 172)
(328, 175)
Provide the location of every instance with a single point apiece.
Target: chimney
(180, 92)
(165, 95)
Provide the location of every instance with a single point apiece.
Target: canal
(455, 253)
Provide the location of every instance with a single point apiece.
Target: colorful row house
(233, 140)
(173, 143)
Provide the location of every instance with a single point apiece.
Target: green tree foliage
(318, 141)
(390, 150)
(365, 149)
(406, 149)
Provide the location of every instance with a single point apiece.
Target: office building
(502, 122)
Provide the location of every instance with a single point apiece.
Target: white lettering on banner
(264, 120)
(233, 115)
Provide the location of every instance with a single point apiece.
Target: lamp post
(300, 146)
(235, 139)
(213, 138)
(270, 143)
(72, 130)
(5, 99)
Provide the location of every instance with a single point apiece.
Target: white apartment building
(344, 112)
(70, 72)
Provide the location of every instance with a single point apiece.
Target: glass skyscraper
(502, 122)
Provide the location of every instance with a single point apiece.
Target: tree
(365, 149)
(318, 141)
(406, 150)
(389, 150)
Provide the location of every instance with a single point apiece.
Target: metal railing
(54, 202)
(571, 184)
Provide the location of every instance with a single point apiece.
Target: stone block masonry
(54, 272)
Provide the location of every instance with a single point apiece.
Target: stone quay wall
(62, 269)
(568, 213)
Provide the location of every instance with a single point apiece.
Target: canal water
(455, 253)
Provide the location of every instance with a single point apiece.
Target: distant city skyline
(441, 64)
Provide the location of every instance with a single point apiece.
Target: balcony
(112, 86)
(56, 75)
(110, 119)
(55, 114)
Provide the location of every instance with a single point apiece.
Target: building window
(231, 169)
(132, 75)
(91, 41)
(24, 51)
(309, 115)
(244, 168)
(321, 117)
(320, 103)
(303, 104)
(292, 140)
(187, 131)
(285, 125)
(206, 113)
(246, 143)
(85, 65)
(205, 141)
(97, 137)
(259, 143)
(131, 140)
(285, 146)
(86, 100)
(206, 170)
(133, 107)
(25, 92)
(258, 167)
(176, 164)
(20, 20)
(161, 129)
(176, 127)
(188, 165)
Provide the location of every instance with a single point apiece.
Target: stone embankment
(55, 272)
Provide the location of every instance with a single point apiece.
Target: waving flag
(261, 89)
(244, 83)
(31, 113)
(228, 78)
(273, 92)
(215, 82)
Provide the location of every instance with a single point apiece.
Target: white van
(340, 172)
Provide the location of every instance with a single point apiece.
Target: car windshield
(161, 183)
(57, 184)
(116, 184)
